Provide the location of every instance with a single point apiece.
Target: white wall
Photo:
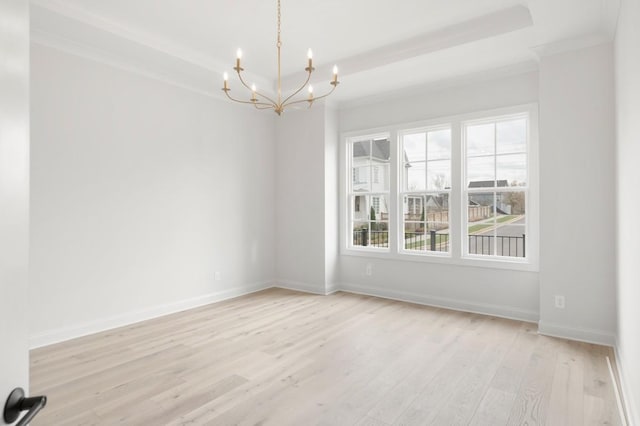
(577, 194)
(331, 200)
(300, 200)
(627, 61)
(14, 196)
(501, 292)
(141, 191)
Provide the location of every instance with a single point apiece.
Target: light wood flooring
(279, 357)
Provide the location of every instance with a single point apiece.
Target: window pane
(380, 177)
(415, 177)
(379, 235)
(437, 236)
(426, 226)
(381, 150)
(437, 208)
(378, 207)
(361, 178)
(512, 136)
(481, 172)
(481, 223)
(511, 203)
(361, 234)
(510, 240)
(439, 175)
(414, 236)
(512, 170)
(439, 144)
(480, 139)
(415, 147)
(360, 208)
(414, 208)
(361, 151)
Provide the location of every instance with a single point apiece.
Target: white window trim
(455, 255)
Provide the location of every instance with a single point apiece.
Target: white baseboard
(443, 302)
(599, 337)
(332, 288)
(67, 333)
(299, 286)
(628, 400)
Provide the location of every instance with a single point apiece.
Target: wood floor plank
(279, 357)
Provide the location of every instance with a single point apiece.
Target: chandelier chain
(279, 24)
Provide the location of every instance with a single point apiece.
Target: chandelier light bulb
(335, 70)
(239, 54)
(309, 54)
(310, 89)
(253, 87)
(225, 77)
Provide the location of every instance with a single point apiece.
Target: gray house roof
(488, 183)
(381, 149)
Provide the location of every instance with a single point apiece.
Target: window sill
(525, 265)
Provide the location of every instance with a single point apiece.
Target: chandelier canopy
(261, 101)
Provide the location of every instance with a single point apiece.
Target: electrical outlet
(369, 269)
(217, 276)
(559, 302)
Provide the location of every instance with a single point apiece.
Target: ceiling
(394, 45)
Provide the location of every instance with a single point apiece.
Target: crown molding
(133, 35)
(572, 44)
(56, 26)
(484, 27)
(494, 74)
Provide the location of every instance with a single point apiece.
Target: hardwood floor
(283, 358)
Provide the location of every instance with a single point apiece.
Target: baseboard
(599, 337)
(299, 286)
(332, 288)
(67, 333)
(443, 302)
(633, 415)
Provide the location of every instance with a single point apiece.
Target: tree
(516, 201)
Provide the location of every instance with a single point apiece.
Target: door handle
(17, 403)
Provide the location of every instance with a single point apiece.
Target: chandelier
(261, 101)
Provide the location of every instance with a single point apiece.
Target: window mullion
(456, 214)
(394, 191)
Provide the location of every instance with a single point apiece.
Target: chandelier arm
(316, 98)
(244, 83)
(299, 90)
(226, 92)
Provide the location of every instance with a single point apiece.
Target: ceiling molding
(500, 73)
(491, 25)
(82, 36)
(569, 45)
(95, 54)
(139, 37)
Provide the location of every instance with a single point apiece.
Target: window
(426, 184)
(496, 187)
(459, 190)
(369, 192)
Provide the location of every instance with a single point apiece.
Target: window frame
(347, 221)
(402, 192)
(457, 215)
(466, 191)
